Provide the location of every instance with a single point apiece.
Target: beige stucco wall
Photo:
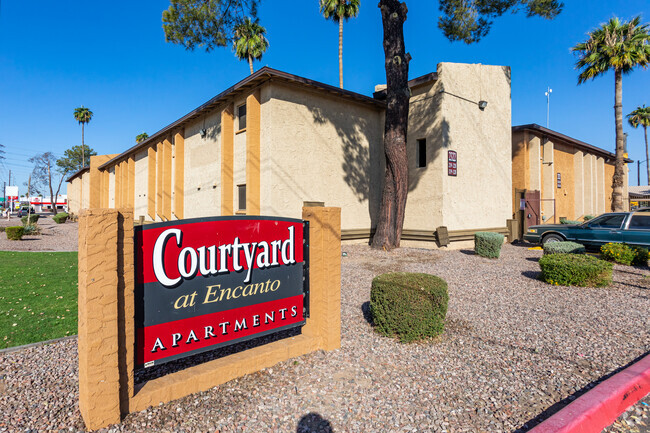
(548, 180)
(74, 195)
(203, 167)
(600, 183)
(535, 158)
(579, 184)
(479, 197)
(140, 189)
(111, 187)
(424, 208)
(85, 190)
(319, 148)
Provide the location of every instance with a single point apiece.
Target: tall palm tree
(83, 116)
(250, 41)
(641, 116)
(141, 137)
(337, 11)
(620, 46)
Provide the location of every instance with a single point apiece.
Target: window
(608, 221)
(241, 115)
(640, 222)
(241, 194)
(422, 153)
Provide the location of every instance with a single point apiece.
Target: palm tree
(641, 116)
(250, 42)
(337, 11)
(83, 116)
(141, 137)
(620, 46)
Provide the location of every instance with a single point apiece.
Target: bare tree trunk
(393, 201)
(250, 63)
(341, 52)
(83, 156)
(29, 206)
(619, 167)
(49, 183)
(647, 158)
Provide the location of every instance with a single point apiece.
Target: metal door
(532, 209)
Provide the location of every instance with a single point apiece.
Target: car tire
(552, 237)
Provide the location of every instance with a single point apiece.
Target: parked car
(632, 228)
(24, 210)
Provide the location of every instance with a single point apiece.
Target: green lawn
(38, 297)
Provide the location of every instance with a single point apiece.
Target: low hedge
(15, 233)
(563, 248)
(60, 218)
(572, 222)
(2, 228)
(408, 305)
(488, 244)
(575, 270)
(33, 219)
(588, 217)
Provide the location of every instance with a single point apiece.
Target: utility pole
(548, 103)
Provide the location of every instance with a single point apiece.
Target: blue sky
(112, 57)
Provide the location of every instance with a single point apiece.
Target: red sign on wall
(210, 282)
(452, 163)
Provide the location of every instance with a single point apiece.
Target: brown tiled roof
(540, 130)
(78, 173)
(261, 76)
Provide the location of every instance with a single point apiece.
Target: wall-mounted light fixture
(203, 132)
(482, 105)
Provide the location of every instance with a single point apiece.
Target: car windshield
(609, 221)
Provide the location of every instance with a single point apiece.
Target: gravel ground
(53, 237)
(515, 350)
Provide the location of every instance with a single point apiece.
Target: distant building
(556, 177)
(274, 142)
(44, 204)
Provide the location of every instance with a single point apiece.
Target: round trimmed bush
(33, 219)
(408, 305)
(575, 270)
(488, 244)
(15, 233)
(60, 218)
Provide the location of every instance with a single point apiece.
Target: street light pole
(548, 103)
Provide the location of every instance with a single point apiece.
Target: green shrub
(2, 228)
(410, 306)
(588, 217)
(619, 253)
(488, 244)
(15, 233)
(60, 218)
(33, 219)
(641, 256)
(575, 270)
(563, 248)
(566, 221)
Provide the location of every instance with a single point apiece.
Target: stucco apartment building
(275, 141)
(555, 176)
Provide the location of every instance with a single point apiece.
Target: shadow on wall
(358, 159)
(426, 121)
(313, 422)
